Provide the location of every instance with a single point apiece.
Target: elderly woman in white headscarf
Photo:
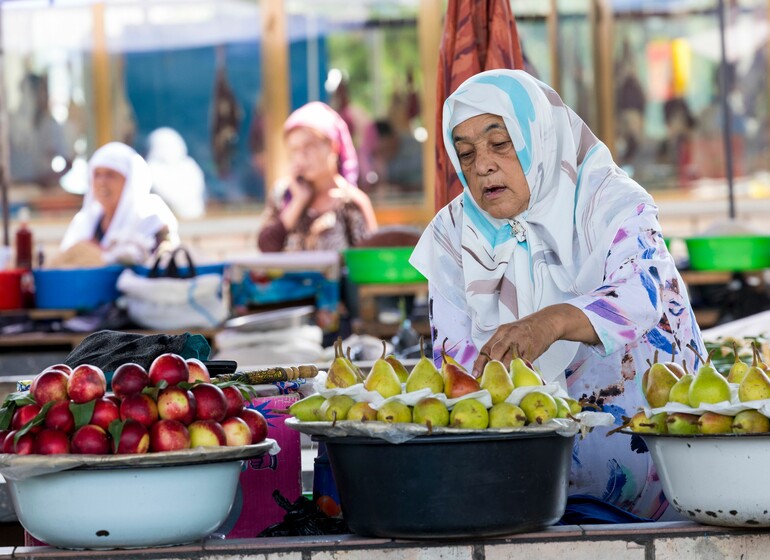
(119, 215)
(554, 250)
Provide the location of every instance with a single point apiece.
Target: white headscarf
(139, 215)
(554, 250)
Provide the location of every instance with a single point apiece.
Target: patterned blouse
(334, 230)
(641, 307)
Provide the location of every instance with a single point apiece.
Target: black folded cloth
(109, 349)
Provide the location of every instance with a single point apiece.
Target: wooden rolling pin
(269, 375)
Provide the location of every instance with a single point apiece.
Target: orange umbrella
(478, 35)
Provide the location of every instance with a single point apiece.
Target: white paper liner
(553, 389)
(20, 467)
(728, 408)
(401, 432)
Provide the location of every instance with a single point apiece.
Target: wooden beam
(5, 169)
(100, 60)
(552, 22)
(601, 33)
(276, 90)
(429, 29)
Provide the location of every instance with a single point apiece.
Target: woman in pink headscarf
(319, 206)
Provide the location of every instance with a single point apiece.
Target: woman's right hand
(301, 196)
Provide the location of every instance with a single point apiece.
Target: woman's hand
(301, 196)
(534, 334)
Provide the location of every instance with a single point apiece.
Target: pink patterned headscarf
(325, 120)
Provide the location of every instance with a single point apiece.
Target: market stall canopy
(478, 35)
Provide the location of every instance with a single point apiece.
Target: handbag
(173, 297)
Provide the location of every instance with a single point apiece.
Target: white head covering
(555, 249)
(176, 177)
(139, 215)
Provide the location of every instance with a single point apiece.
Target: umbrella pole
(726, 112)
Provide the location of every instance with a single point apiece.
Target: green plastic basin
(381, 265)
(729, 253)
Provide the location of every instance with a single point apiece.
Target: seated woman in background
(120, 220)
(319, 206)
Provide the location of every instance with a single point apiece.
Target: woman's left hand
(534, 334)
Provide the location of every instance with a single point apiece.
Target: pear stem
(684, 367)
(655, 357)
(334, 418)
(430, 426)
(338, 347)
(673, 351)
(348, 355)
(754, 352)
(422, 347)
(694, 351)
(735, 352)
(384, 348)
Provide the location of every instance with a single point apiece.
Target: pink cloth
(322, 118)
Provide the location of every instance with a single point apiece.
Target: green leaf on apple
(10, 404)
(154, 391)
(36, 421)
(83, 412)
(116, 430)
(247, 391)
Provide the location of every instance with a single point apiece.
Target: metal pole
(4, 138)
(724, 89)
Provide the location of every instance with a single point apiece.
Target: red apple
(59, 417)
(133, 439)
(169, 435)
(24, 415)
(170, 368)
(86, 383)
(90, 440)
(113, 398)
(129, 379)
(60, 367)
(256, 422)
(237, 431)
(212, 403)
(175, 403)
(235, 401)
(52, 442)
(50, 385)
(25, 445)
(105, 411)
(197, 371)
(140, 407)
(207, 433)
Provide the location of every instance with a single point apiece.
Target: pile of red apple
(171, 406)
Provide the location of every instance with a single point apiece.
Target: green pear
(382, 378)
(574, 406)
(680, 392)
(754, 386)
(394, 412)
(709, 386)
(431, 412)
(714, 423)
(673, 367)
(750, 422)
(424, 374)
(398, 367)
(562, 408)
(307, 409)
(362, 412)
(659, 383)
(538, 407)
(458, 382)
(522, 373)
(496, 380)
(340, 374)
(506, 415)
(469, 414)
(738, 369)
(682, 424)
(336, 408)
(655, 424)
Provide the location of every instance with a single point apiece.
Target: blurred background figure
(176, 177)
(39, 151)
(120, 220)
(398, 159)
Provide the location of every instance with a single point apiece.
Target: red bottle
(24, 241)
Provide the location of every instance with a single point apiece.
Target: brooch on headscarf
(518, 231)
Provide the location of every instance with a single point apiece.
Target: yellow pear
(382, 378)
(522, 374)
(469, 414)
(447, 360)
(506, 415)
(340, 374)
(424, 374)
(660, 380)
(709, 386)
(538, 407)
(430, 412)
(750, 422)
(754, 386)
(336, 408)
(496, 380)
(394, 412)
(655, 424)
(738, 369)
(398, 367)
(307, 409)
(713, 423)
(682, 424)
(680, 392)
(362, 412)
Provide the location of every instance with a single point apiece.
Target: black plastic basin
(469, 485)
